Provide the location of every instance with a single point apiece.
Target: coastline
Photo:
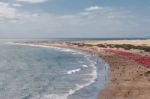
(127, 78)
(95, 85)
(91, 91)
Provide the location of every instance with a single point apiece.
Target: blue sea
(44, 72)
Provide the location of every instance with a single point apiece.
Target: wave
(47, 96)
(73, 71)
(92, 64)
(46, 46)
(85, 66)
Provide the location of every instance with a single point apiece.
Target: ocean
(44, 72)
(66, 39)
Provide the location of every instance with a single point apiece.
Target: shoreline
(100, 80)
(92, 90)
(127, 78)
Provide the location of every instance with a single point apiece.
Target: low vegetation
(124, 46)
(138, 58)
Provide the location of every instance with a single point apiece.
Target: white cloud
(92, 22)
(4, 4)
(10, 12)
(17, 5)
(93, 8)
(32, 1)
(6, 11)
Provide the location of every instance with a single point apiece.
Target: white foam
(55, 96)
(91, 80)
(85, 66)
(34, 45)
(49, 96)
(75, 53)
(78, 87)
(73, 71)
(47, 46)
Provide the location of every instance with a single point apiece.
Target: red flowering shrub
(138, 58)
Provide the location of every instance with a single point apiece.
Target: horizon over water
(42, 72)
(67, 39)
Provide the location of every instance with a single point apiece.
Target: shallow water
(40, 72)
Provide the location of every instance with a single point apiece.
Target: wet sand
(127, 78)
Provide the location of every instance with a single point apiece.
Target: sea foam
(77, 87)
(73, 71)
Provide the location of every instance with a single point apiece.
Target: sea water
(43, 72)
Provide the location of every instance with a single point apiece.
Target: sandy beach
(129, 77)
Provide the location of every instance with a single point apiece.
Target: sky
(74, 18)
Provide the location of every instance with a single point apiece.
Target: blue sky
(74, 18)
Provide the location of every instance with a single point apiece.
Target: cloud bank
(94, 21)
(32, 1)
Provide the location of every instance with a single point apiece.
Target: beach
(129, 77)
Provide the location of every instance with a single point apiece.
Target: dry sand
(127, 79)
(133, 42)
